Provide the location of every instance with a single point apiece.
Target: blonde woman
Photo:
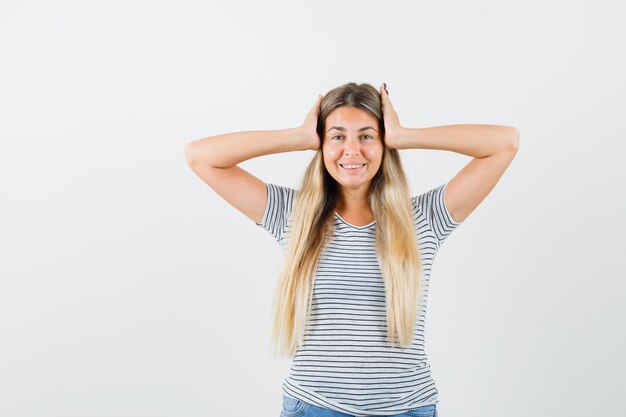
(350, 304)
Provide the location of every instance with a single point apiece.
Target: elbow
(189, 153)
(514, 139)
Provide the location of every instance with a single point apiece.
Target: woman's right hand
(309, 127)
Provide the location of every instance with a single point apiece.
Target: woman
(350, 303)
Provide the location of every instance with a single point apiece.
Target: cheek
(373, 154)
(328, 162)
(330, 155)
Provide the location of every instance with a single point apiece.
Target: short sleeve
(277, 210)
(433, 206)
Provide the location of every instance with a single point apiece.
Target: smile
(352, 167)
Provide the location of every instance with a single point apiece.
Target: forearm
(477, 140)
(229, 149)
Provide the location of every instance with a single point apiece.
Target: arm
(479, 141)
(229, 149)
(214, 159)
(492, 147)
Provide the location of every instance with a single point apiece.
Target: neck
(353, 201)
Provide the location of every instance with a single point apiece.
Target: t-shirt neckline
(351, 225)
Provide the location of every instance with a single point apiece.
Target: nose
(352, 147)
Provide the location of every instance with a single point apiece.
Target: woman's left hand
(391, 120)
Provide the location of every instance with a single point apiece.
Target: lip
(353, 169)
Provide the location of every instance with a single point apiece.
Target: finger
(384, 88)
(318, 102)
(316, 106)
(384, 95)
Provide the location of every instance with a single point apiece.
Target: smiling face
(352, 137)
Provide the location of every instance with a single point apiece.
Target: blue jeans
(293, 407)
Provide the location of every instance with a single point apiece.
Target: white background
(129, 288)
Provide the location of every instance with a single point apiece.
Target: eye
(368, 136)
(336, 136)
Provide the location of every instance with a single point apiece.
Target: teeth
(352, 166)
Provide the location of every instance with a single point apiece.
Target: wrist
(292, 138)
(303, 139)
(395, 138)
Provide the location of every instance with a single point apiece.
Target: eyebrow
(343, 129)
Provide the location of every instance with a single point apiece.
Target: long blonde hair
(311, 229)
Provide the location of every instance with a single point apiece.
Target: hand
(309, 127)
(390, 118)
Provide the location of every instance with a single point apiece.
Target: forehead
(350, 116)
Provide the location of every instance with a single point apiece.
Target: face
(352, 137)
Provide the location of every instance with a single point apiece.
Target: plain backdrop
(129, 288)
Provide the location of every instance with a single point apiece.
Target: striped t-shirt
(345, 362)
